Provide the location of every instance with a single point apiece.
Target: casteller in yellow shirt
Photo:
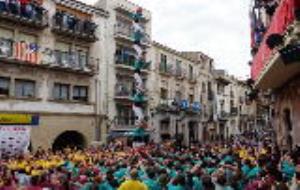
(132, 185)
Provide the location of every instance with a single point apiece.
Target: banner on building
(18, 119)
(14, 140)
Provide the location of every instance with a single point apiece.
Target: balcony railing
(31, 54)
(30, 14)
(123, 91)
(168, 105)
(223, 115)
(125, 122)
(283, 17)
(234, 111)
(71, 26)
(165, 69)
(179, 73)
(192, 79)
(71, 60)
(129, 60)
(126, 32)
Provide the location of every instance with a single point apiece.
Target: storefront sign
(19, 119)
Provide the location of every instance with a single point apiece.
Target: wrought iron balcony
(165, 69)
(126, 33)
(192, 79)
(33, 15)
(125, 122)
(194, 108)
(31, 55)
(168, 105)
(179, 74)
(234, 111)
(223, 115)
(70, 60)
(71, 26)
(123, 91)
(127, 61)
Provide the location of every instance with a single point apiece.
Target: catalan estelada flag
(26, 52)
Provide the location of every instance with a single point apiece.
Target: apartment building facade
(233, 114)
(180, 84)
(118, 68)
(50, 59)
(275, 66)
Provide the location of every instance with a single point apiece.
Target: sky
(218, 28)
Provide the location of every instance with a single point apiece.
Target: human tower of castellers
(236, 164)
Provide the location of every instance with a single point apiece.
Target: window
(163, 94)
(203, 87)
(6, 47)
(191, 98)
(163, 63)
(191, 72)
(24, 88)
(178, 96)
(67, 55)
(80, 93)
(178, 68)
(125, 115)
(82, 57)
(61, 91)
(6, 42)
(231, 104)
(4, 86)
(220, 89)
(124, 87)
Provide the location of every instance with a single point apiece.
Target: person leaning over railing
(14, 7)
(3, 5)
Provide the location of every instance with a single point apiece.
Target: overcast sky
(218, 28)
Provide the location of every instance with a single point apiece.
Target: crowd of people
(71, 22)
(30, 9)
(230, 165)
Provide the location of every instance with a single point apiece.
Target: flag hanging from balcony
(26, 52)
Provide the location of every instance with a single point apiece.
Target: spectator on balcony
(259, 33)
(26, 8)
(3, 5)
(14, 7)
(65, 20)
(58, 19)
(89, 27)
(38, 10)
(72, 20)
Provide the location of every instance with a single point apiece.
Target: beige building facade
(180, 94)
(233, 114)
(49, 68)
(118, 67)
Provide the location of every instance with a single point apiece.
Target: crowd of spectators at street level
(25, 8)
(228, 165)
